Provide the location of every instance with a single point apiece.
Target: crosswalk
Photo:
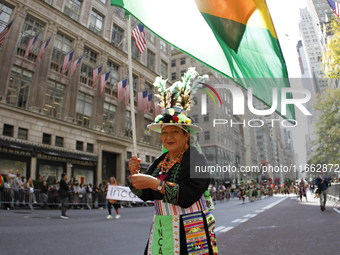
(223, 229)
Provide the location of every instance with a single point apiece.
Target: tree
(332, 53)
(327, 127)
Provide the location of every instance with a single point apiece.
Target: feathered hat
(176, 101)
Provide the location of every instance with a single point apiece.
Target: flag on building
(126, 91)
(121, 86)
(141, 100)
(5, 31)
(235, 38)
(95, 75)
(30, 45)
(75, 65)
(335, 7)
(67, 60)
(103, 80)
(148, 103)
(42, 49)
(157, 110)
(138, 35)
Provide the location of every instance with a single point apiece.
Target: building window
(151, 60)
(88, 64)
(147, 158)
(128, 128)
(8, 130)
(182, 61)
(128, 154)
(182, 73)
(62, 46)
(18, 87)
(150, 36)
(89, 147)
(79, 146)
(84, 109)
(117, 36)
(206, 117)
(147, 134)
(164, 70)
(110, 88)
(173, 63)
(96, 22)
(5, 15)
(30, 29)
(72, 9)
(54, 99)
(59, 141)
(109, 118)
(120, 12)
(46, 139)
(206, 135)
(23, 133)
(163, 46)
(195, 118)
(173, 76)
(134, 51)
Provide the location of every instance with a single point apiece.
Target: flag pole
(132, 103)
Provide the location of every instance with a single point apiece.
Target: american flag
(75, 65)
(31, 44)
(138, 35)
(103, 80)
(335, 7)
(95, 75)
(43, 48)
(121, 87)
(148, 103)
(67, 60)
(4, 32)
(141, 100)
(157, 109)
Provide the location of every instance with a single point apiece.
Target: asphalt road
(276, 225)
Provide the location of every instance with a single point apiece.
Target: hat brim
(157, 127)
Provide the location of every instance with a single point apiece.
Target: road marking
(219, 228)
(226, 229)
(273, 204)
(237, 220)
(336, 210)
(246, 216)
(259, 211)
(252, 215)
(244, 220)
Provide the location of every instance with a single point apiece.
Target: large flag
(42, 49)
(138, 35)
(121, 87)
(95, 75)
(141, 100)
(157, 110)
(103, 80)
(235, 38)
(67, 60)
(5, 31)
(335, 7)
(148, 103)
(30, 44)
(75, 65)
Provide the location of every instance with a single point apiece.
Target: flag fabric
(67, 60)
(95, 75)
(138, 35)
(120, 86)
(30, 45)
(141, 100)
(75, 65)
(148, 103)
(235, 38)
(126, 91)
(103, 80)
(157, 110)
(335, 7)
(5, 31)
(43, 48)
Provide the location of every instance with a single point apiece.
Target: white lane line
(237, 220)
(259, 211)
(219, 228)
(226, 229)
(247, 216)
(244, 220)
(336, 210)
(252, 215)
(273, 204)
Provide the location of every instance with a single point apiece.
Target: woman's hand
(144, 181)
(134, 165)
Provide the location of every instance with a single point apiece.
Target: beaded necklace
(166, 164)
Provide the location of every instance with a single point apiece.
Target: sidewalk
(289, 228)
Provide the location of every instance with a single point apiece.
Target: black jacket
(63, 189)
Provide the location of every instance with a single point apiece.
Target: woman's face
(174, 139)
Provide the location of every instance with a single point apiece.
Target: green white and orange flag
(234, 37)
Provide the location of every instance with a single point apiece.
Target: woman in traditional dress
(182, 223)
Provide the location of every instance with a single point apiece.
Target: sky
(286, 16)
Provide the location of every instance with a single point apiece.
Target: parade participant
(302, 189)
(322, 183)
(182, 223)
(111, 202)
(63, 192)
